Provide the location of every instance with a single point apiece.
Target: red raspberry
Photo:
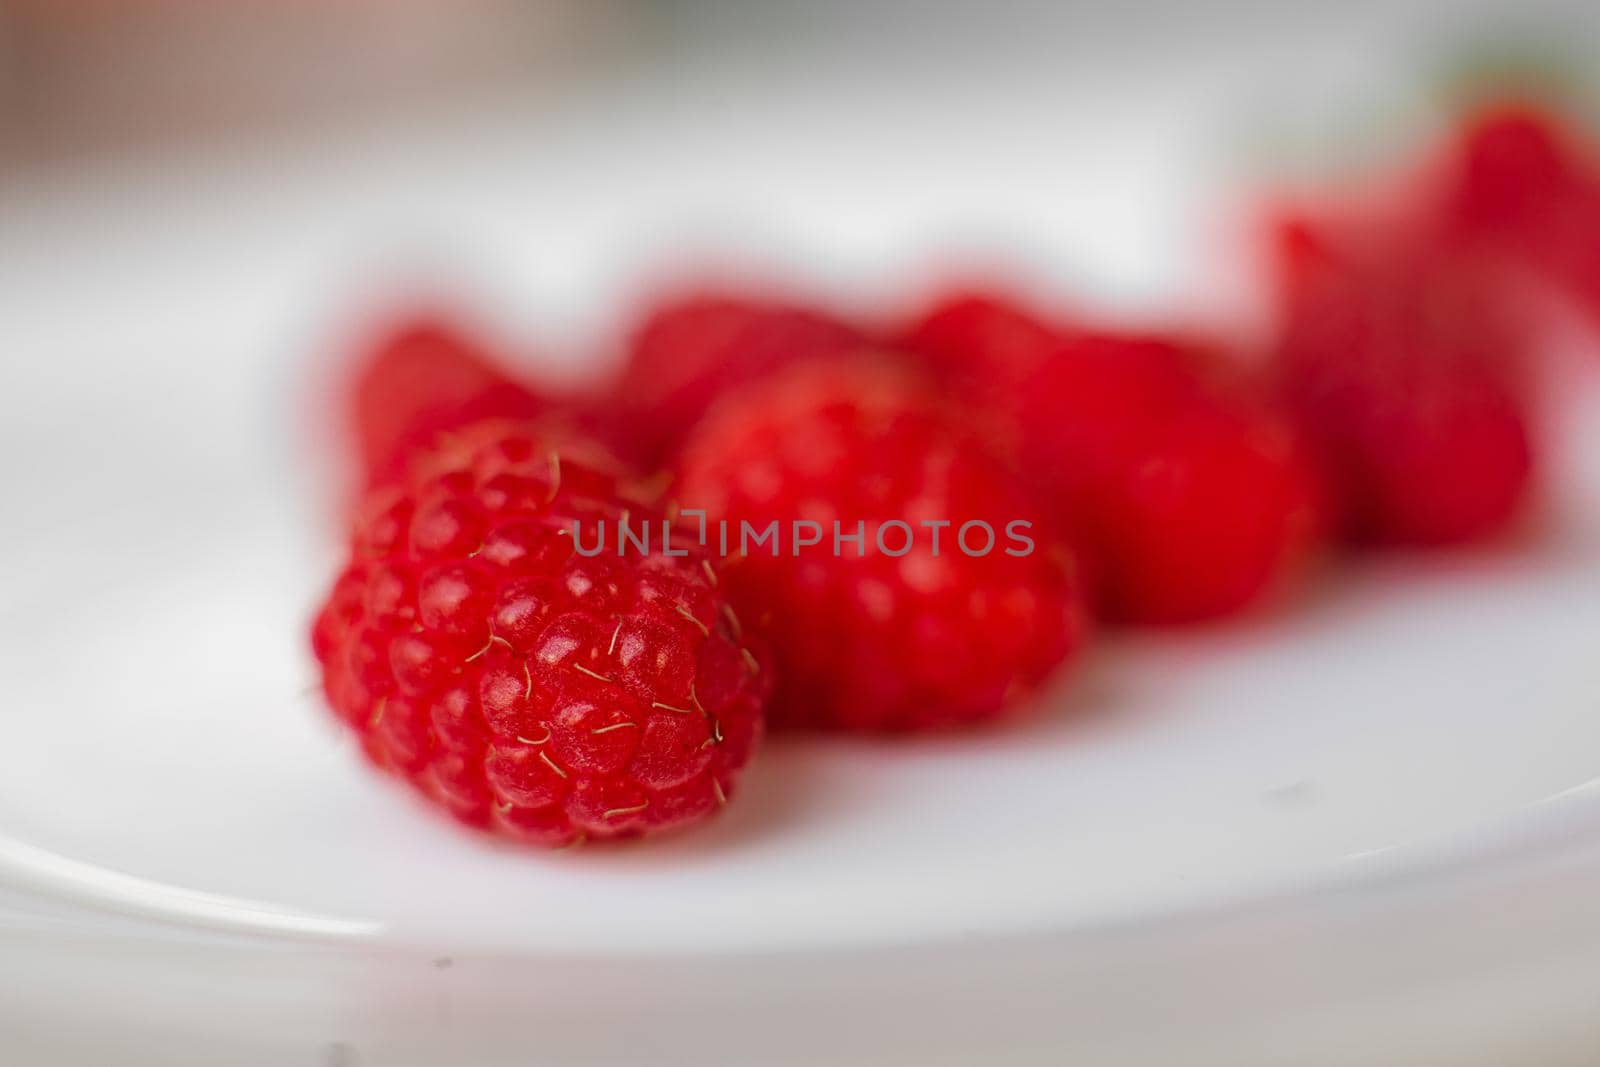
(419, 379)
(906, 633)
(686, 353)
(1518, 181)
(1509, 169)
(529, 689)
(986, 350)
(982, 340)
(1188, 498)
(1405, 367)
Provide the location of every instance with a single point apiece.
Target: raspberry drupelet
(528, 689)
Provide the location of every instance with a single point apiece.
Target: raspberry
(529, 689)
(1517, 181)
(685, 354)
(987, 350)
(1188, 498)
(897, 631)
(421, 378)
(1406, 371)
(981, 340)
(1510, 169)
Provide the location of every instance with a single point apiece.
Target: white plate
(167, 777)
(172, 740)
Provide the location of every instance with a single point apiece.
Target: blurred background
(257, 175)
(579, 142)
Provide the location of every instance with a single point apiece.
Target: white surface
(1398, 713)
(1325, 834)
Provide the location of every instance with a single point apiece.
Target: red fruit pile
(909, 529)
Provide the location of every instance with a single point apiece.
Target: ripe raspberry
(686, 353)
(422, 378)
(1509, 168)
(982, 340)
(1188, 498)
(1406, 371)
(1518, 181)
(874, 635)
(528, 689)
(985, 349)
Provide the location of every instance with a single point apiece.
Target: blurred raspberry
(1509, 168)
(528, 689)
(422, 378)
(1188, 497)
(910, 632)
(982, 340)
(1517, 179)
(686, 353)
(1405, 363)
